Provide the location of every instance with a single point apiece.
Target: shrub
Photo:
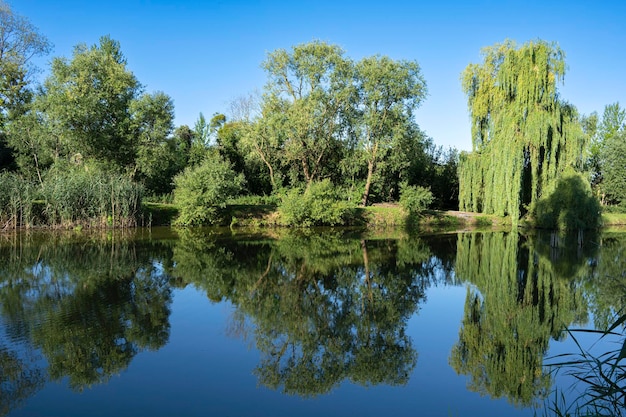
(415, 199)
(202, 189)
(319, 205)
(569, 205)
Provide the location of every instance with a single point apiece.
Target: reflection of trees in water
(88, 305)
(320, 308)
(605, 284)
(19, 378)
(598, 366)
(324, 308)
(520, 298)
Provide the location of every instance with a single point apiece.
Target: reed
(95, 199)
(17, 198)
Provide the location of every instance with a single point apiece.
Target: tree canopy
(19, 43)
(523, 134)
(612, 154)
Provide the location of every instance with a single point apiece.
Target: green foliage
(318, 205)
(309, 90)
(200, 190)
(19, 43)
(621, 209)
(520, 297)
(614, 167)
(88, 99)
(387, 93)
(87, 194)
(523, 135)
(415, 199)
(255, 200)
(103, 300)
(157, 157)
(483, 221)
(320, 309)
(234, 147)
(569, 205)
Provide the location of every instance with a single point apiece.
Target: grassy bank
(614, 219)
(376, 216)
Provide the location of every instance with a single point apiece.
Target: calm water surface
(199, 323)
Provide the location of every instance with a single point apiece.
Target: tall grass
(74, 197)
(17, 198)
(82, 197)
(601, 377)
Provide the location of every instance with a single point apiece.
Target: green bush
(319, 205)
(620, 209)
(415, 199)
(255, 200)
(202, 189)
(569, 205)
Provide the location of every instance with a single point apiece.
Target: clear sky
(204, 54)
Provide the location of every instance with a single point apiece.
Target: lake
(203, 322)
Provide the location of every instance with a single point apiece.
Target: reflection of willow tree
(88, 305)
(519, 301)
(325, 308)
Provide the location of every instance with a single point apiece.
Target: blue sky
(204, 54)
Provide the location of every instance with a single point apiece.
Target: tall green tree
(156, 163)
(590, 126)
(20, 41)
(88, 99)
(612, 137)
(231, 144)
(388, 92)
(312, 84)
(523, 134)
(264, 139)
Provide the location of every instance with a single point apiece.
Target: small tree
(612, 154)
(200, 190)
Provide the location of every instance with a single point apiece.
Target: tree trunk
(368, 183)
(307, 174)
(371, 165)
(268, 165)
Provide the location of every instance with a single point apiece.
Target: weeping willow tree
(523, 134)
